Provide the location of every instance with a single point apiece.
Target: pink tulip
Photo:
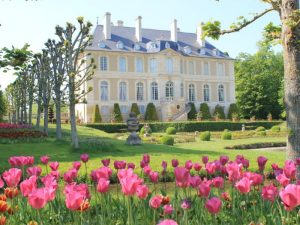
(204, 189)
(49, 181)
(142, 191)
(129, 181)
(189, 164)
(224, 159)
(175, 163)
(218, 182)
(239, 159)
(197, 167)
(103, 185)
(290, 196)
(244, 185)
(186, 204)
(234, 171)
(213, 205)
(74, 200)
(70, 175)
(146, 158)
(182, 177)
(168, 209)
(210, 167)
(84, 158)
(51, 193)
(290, 169)
(103, 172)
(83, 189)
(143, 164)
(155, 202)
(28, 186)
(255, 178)
(34, 171)
(147, 170)
(76, 165)
(195, 181)
(168, 222)
(164, 165)
(1, 183)
(106, 162)
(54, 166)
(245, 163)
(12, 177)
(38, 198)
(153, 176)
(130, 166)
(283, 180)
(261, 161)
(55, 174)
(297, 161)
(275, 166)
(205, 159)
(44, 159)
(119, 164)
(269, 193)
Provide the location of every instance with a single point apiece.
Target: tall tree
(289, 34)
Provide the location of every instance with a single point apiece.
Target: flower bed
(233, 196)
(258, 145)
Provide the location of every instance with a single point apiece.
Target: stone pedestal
(133, 126)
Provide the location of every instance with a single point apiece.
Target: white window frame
(140, 87)
(169, 90)
(125, 61)
(139, 65)
(208, 69)
(154, 93)
(218, 91)
(191, 66)
(208, 93)
(119, 91)
(182, 90)
(103, 66)
(220, 73)
(169, 65)
(153, 65)
(192, 92)
(108, 91)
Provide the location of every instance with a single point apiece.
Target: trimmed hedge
(226, 135)
(192, 115)
(135, 109)
(96, 115)
(204, 109)
(190, 126)
(219, 111)
(151, 114)
(117, 113)
(167, 140)
(233, 109)
(171, 130)
(205, 136)
(260, 128)
(275, 129)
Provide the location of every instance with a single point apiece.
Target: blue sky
(33, 22)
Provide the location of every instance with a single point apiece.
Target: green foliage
(3, 105)
(205, 136)
(275, 129)
(151, 114)
(226, 135)
(272, 34)
(233, 111)
(204, 109)
(260, 128)
(142, 130)
(96, 115)
(258, 83)
(51, 113)
(135, 109)
(261, 133)
(117, 113)
(95, 145)
(192, 115)
(219, 111)
(171, 130)
(167, 140)
(211, 29)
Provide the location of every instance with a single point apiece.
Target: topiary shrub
(117, 113)
(142, 130)
(233, 111)
(192, 115)
(205, 136)
(226, 135)
(275, 129)
(219, 112)
(96, 115)
(261, 133)
(135, 109)
(167, 140)
(260, 128)
(204, 109)
(171, 130)
(151, 114)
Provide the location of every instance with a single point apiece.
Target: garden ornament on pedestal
(147, 129)
(243, 128)
(133, 126)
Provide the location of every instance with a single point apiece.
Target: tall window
(139, 66)
(122, 64)
(182, 90)
(205, 68)
(105, 110)
(169, 65)
(221, 93)
(169, 90)
(124, 109)
(142, 109)
(191, 67)
(140, 91)
(104, 91)
(220, 69)
(154, 91)
(123, 91)
(191, 92)
(206, 93)
(153, 65)
(181, 67)
(103, 63)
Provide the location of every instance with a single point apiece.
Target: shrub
(233, 111)
(192, 115)
(96, 115)
(135, 109)
(51, 114)
(171, 130)
(117, 113)
(205, 136)
(151, 114)
(261, 133)
(219, 111)
(142, 130)
(204, 109)
(260, 128)
(167, 140)
(226, 135)
(275, 129)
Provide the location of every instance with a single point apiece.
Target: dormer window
(151, 45)
(187, 50)
(216, 52)
(167, 45)
(137, 47)
(101, 44)
(202, 51)
(120, 45)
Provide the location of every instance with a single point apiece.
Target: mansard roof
(186, 45)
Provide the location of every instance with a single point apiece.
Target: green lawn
(61, 151)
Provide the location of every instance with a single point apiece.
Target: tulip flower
(197, 167)
(186, 204)
(290, 196)
(189, 164)
(34, 171)
(1, 183)
(106, 162)
(195, 181)
(3, 206)
(147, 170)
(290, 169)
(218, 182)
(12, 177)
(210, 167)
(234, 171)
(44, 159)
(155, 202)
(261, 161)
(205, 159)
(153, 176)
(283, 180)
(28, 186)
(175, 163)
(130, 166)
(213, 205)
(142, 191)
(11, 192)
(182, 177)
(129, 181)
(103, 185)
(224, 159)
(168, 222)
(269, 192)
(54, 166)
(204, 189)
(244, 185)
(168, 209)
(3, 220)
(164, 165)
(84, 158)
(76, 165)
(38, 198)
(146, 158)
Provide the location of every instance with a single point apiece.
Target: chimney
(200, 40)
(174, 31)
(138, 29)
(107, 25)
(120, 23)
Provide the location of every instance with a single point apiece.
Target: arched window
(120, 45)
(154, 91)
(182, 90)
(169, 65)
(122, 64)
(123, 91)
(221, 93)
(140, 91)
(206, 93)
(169, 90)
(104, 91)
(191, 92)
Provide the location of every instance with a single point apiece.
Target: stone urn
(133, 126)
(147, 130)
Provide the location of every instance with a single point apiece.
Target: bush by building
(167, 140)
(135, 109)
(96, 115)
(205, 136)
(233, 111)
(226, 135)
(151, 114)
(192, 115)
(117, 113)
(205, 113)
(171, 130)
(219, 112)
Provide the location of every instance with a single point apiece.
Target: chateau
(169, 68)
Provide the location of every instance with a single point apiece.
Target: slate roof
(158, 38)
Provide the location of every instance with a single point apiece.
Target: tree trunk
(30, 112)
(74, 135)
(291, 54)
(58, 119)
(46, 109)
(38, 116)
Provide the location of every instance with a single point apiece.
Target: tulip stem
(130, 220)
